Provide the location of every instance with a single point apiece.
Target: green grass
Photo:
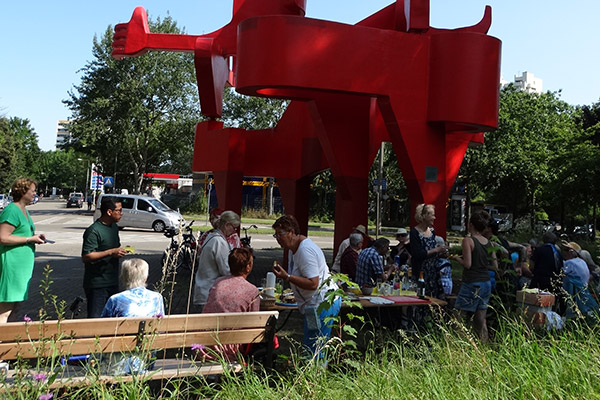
(445, 362)
(448, 364)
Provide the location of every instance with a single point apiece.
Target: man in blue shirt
(370, 266)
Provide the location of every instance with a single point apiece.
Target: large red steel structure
(391, 77)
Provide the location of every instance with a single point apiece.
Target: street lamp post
(87, 176)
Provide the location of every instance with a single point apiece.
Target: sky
(44, 44)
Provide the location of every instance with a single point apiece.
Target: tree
(19, 151)
(579, 166)
(63, 169)
(514, 166)
(248, 112)
(396, 204)
(136, 114)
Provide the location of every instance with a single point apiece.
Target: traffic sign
(109, 181)
(97, 183)
(383, 184)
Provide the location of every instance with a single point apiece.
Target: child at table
(475, 291)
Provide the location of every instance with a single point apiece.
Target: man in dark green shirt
(100, 253)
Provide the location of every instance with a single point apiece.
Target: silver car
(143, 212)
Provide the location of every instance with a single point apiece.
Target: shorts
(473, 296)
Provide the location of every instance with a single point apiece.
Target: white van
(143, 212)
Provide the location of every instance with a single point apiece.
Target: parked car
(75, 200)
(143, 212)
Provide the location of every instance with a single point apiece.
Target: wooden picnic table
(402, 301)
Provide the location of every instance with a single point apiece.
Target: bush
(194, 204)
(258, 214)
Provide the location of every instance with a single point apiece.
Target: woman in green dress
(17, 247)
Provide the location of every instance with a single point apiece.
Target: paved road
(66, 227)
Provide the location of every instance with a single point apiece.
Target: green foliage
(396, 205)
(136, 114)
(322, 202)
(246, 112)
(396, 208)
(196, 204)
(347, 346)
(516, 165)
(19, 151)
(52, 307)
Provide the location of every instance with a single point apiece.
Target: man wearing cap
(367, 242)
(402, 249)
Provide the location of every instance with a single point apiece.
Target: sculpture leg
(229, 189)
(295, 194)
(350, 211)
(421, 151)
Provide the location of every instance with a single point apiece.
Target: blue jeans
(97, 298)
(314, 337)
(473, 296)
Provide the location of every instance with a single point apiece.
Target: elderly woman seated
(134, 301)
(231, 294)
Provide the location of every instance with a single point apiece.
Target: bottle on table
(397, 277)
(421, 286)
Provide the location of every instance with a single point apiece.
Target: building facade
(63, 135)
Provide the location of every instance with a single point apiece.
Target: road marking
(48, 221)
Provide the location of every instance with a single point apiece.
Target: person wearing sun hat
(575, 282)
(367, 242)
(402, 249)
(574, 265)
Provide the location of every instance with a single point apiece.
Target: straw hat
(361, 229)
(571, 246)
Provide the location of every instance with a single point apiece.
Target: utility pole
(379, 193)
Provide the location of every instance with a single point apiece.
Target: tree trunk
(594, 216)
(532, 214)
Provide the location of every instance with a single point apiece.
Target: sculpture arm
(134, 38)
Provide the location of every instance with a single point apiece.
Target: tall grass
(446, 362)
(449, 364)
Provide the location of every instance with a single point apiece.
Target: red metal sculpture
(390, 77)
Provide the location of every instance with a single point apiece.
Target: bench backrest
(112, 335)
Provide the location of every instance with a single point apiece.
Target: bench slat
(120, 326)
(127, 343)
(163, 369)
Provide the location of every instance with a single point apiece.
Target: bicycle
(180, 255)
(245, 241)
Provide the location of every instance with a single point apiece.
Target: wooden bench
(51, 340)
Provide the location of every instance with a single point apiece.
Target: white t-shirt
(309, 262)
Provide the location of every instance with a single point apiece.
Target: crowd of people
(565, 270)
(115, 289)
(118, 289)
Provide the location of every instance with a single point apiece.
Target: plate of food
(287, 297)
